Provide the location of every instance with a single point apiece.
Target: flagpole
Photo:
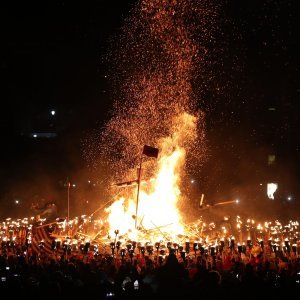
(152, 152)
(138, 192)
(68, 218)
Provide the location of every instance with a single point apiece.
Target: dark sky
(52, 54)
(51, 59)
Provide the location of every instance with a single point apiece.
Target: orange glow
(158, 200)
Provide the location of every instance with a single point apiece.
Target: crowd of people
(230, 273)
(31, 266)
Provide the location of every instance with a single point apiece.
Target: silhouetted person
(171, 278)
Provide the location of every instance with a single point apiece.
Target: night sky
(53, 58)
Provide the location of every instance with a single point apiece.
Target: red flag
(41, 239)
(150, 151)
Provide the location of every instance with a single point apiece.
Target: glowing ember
(160, 50)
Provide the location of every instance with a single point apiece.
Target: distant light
(271, 189)
(260, 184)
(43, 135)
(192, 181)
(89, 181)
(17, 201)
(87, 201)
(52, 112)
(272, 108)
(237, 201)
(289, 198)
(73, 185)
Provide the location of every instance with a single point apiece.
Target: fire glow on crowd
(82, 231)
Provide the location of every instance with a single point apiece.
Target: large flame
(158, 199)
(155, 68)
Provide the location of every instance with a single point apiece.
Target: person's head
(172, 259)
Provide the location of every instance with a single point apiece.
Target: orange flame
(158, 200)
